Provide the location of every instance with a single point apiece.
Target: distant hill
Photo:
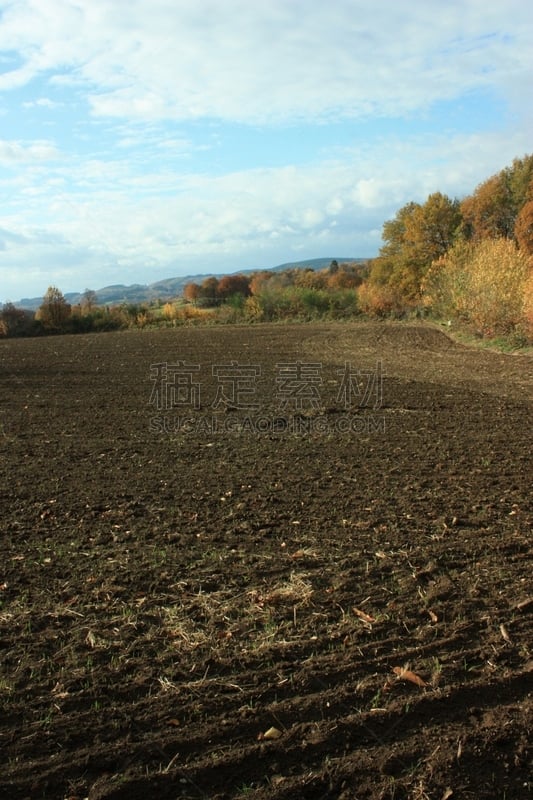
(173, 287)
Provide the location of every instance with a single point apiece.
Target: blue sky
(145, 139)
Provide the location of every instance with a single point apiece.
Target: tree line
(261, 296)
(467, 260)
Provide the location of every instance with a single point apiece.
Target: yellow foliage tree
(483, 284)
(417, 236)
(380, 300)
(498, 273)
(170, 311)
(54, 311)
(528, 304)
(445, 287)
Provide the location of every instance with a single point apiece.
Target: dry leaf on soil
(505, 634)
(363, 615)
(271, 733)
(407, 675)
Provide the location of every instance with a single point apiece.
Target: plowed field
(288, 562)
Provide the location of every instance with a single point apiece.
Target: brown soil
(169, 596)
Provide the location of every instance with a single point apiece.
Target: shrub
(483, 284)
(381, 300)
(498, 272)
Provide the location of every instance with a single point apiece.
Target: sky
(148, 139)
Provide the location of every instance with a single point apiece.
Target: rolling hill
(169, 288)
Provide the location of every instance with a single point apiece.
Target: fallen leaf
(59, 691)
(271, 733)
(363, 615)
(448, 793)
(407, 675)
(505, 634)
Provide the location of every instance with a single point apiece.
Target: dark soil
(329, 595)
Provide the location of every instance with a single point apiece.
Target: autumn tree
(54, 311)
(14, 321)
(191, 292)
(528, 306)
(498, 273)
(418, 235)
(431, 229)
(488, 213)
(446, 285)
(309, 278)
(233, 285)
(492, 210)
(523, 229)
(259, 280)
(208, 292)
(347, 276)
(482, 283)
(89, 300)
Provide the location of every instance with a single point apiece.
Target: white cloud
(150, 182)
(160, 217)
(272, 61)
(16, 152)
(42, 102)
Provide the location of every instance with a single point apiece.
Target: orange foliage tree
(191, 292)
(523, 229)
(233, 284)
(492, 210)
